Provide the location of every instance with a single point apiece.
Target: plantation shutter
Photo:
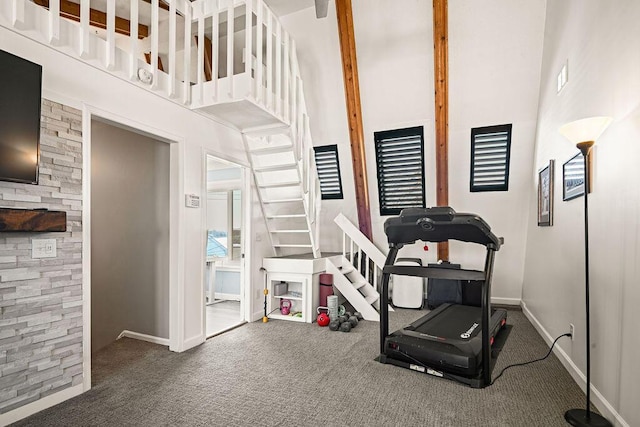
(328, 168)
(400, 161)
(490, 150)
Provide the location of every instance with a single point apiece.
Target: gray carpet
(291, 374)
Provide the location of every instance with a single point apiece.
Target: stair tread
(271, 150)
(275, 168)
(280, 184)
(291, 246)
(287, 216)
(346, 269)
(360, 284)
(283, 200)
(372, 298)
(289, 231)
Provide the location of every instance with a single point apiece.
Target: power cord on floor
(531, 361)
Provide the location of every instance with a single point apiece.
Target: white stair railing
(359, 270)
(258, 55)
(356, 247)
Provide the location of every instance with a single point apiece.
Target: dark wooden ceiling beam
(98, 19)
(441, 84)
(354, 113)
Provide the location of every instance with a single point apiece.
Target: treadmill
(454, 341)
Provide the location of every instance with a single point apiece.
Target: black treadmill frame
(429, 229)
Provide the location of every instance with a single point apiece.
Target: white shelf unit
(297, 294)
(302, 276)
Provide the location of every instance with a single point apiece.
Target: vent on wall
(328, 167)
(400, 161)
(490, 150)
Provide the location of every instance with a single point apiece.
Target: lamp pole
(579, 417)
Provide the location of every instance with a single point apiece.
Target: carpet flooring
(290, 374)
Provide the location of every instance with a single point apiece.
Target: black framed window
(490, 151)
(400, 162)
(328, 167)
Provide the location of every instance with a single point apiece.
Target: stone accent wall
(41, 299)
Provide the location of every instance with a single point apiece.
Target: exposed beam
(354, 113)
(441, 84)
(71, 10)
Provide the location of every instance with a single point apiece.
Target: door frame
(176, 215)
(245, 262)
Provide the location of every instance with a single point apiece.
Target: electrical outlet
(572, 331)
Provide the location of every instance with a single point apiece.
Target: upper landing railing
(199, 53)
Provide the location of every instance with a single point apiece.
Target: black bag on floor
(440, 291)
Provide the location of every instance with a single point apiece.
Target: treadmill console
(439, 224)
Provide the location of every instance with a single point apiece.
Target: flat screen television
(20, 97)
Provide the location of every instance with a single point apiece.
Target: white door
(224, 279)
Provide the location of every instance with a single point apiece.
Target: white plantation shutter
(400, 161)
(328, 168)
(490, 149)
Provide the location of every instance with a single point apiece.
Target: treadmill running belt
(457, 322)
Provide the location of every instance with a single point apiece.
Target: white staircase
(288, 189)
(357, 273)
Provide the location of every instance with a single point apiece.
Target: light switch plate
(43, 248)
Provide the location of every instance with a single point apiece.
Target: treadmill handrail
(435, 272)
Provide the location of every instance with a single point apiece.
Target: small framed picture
(573, 177)
(545, 195)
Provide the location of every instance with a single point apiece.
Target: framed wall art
(573, 177)
(545, 195)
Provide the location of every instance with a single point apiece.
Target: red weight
(323, 319)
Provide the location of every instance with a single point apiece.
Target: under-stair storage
(288, 297)
(293, 282)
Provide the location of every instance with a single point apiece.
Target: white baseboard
(257, 315)
(506, 301)
(144, 337)
(193, 342)
(39, 405)
(603, 405)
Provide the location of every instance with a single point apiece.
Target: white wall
(600, 42)
(495, 49)
(74, 83)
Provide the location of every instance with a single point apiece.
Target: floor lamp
(584, 133)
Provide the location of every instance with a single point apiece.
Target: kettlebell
(285, 307)
(323, 319)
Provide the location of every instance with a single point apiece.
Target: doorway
(224, 277)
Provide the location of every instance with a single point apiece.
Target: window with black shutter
(328, 167)
(400, 162)
(490, 150)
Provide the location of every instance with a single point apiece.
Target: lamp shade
(583, 130)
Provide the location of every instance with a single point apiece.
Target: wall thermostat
(192, 201)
